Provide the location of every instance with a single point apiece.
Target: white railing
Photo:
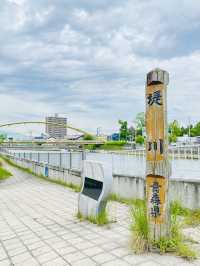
(67, 160)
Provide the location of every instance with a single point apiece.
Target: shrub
(139, 139)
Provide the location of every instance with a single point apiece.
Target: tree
(131, 133)
(88, 137)
(2, 137)
(195, 131)
(174, 128)
(139, 140)
(140, 120)
(140, 123)
(123, 129)
(172, 138)
(175, 131)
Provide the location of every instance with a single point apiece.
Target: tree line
(137, 133)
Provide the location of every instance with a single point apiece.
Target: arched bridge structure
(43, 122)
(56, 142)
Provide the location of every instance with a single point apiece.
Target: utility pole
(158, 168)
(189, 133)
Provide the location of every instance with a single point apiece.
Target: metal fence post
(48, 157)
(70, 160)
(60, 159)
(83, 155)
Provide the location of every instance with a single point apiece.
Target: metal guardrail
(182, 152)
(66, 160)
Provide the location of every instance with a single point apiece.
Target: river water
(121, 164)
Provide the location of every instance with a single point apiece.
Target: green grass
(80, 216)
(115, 197)
(191, 217)
(76, 188)
(4, 174)
(109, 145)
(100, 219)
(139, 228)
(175, 242)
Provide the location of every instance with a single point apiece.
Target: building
(41, 137)
(114, 137)
(56, 127)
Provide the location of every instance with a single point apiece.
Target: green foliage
(91, 147)
(88, 137)
(123, 129)
(109, 145)
(184, 251)
(113, 145)
(115, 197)
(191, 217)
(100, 219)
(140, 228)
(79, 216)
(174, 128)
(140, 120)
(139, 139)
(3, 137)
(4, 174)
(172, 138)
(62, 183)
(177, 209)
(131, 133)
(175, 243)
(195, 130)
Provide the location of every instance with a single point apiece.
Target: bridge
(50, 142)
(43, 122)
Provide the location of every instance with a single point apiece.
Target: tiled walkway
(38, 227)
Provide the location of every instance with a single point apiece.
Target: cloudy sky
(88, 59)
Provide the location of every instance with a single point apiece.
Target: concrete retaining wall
(185, 191)
(55, 173)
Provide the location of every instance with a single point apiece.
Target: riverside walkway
(38, 226)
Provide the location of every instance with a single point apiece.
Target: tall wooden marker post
(158, 168)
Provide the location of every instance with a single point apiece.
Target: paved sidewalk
(38, 227)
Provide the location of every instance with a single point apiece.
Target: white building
(56, 127)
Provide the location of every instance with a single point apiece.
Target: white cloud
(90, 60)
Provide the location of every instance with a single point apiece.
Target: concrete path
(38, 227)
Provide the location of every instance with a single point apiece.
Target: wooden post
(158, 168)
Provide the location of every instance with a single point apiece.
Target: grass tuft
(175, 243)
(80, 216)
(135, 202)
(100, 219)
(139, 228)
(191, 217)
(4, 174)
(177, 209)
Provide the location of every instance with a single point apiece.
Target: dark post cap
(157, 76)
